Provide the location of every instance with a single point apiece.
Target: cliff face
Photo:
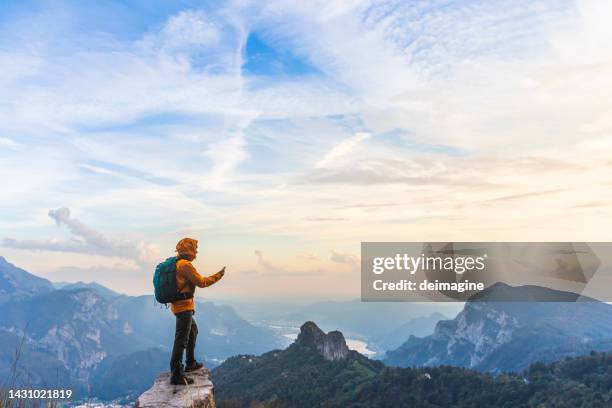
(163, 394)
(508, 336)
(331, 346)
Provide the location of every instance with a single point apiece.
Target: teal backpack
(164, 282)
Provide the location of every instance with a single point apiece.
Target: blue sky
(281, 135)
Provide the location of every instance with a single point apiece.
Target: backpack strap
(183, 296)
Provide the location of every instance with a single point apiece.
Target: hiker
(187, 278)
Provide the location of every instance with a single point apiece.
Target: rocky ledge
(163, 394)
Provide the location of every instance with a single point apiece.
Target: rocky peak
(310, 334)
(163, 394)
(331, 346)
(16, 282)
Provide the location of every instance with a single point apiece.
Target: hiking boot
(180, 379)
(193, 365)
(178, 375)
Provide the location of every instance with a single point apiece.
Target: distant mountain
(366, 320)
(419, 327)
(16, 282)
(80, 329)
(75, 332)
(77, 327)
(509, 335)
(222, 333)
(305, 375)
(102, 290)
(25, 362)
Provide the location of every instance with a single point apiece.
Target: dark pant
(184, 338)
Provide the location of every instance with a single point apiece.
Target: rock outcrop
(331, 346)
(301, 375)
(163, 394)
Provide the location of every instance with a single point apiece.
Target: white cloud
(345, 259)
(78, 229)
(264, 264)
(488, 101)
(86, 240)
(228, 152)
(190, 28)
(341, 150)
(6, 142)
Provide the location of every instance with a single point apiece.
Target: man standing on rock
(187, 278)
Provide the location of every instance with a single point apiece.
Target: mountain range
(79, 334)
(417, 326)
(111, 346)
(373, 321)
(493, 335)
(102, 290)
(318, 370)
(379, 326)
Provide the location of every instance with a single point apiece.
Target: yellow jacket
(187, 278)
